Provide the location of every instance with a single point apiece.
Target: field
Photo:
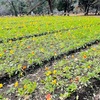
(49, 58)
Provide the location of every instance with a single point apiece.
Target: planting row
(26, 26)
(58, 81)
(21, 54)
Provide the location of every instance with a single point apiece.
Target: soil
(91, 92)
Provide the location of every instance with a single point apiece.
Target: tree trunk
(40, 3)
(86, 9)
(15, 11)
(96, 11)
(66, 7)
(50, 6)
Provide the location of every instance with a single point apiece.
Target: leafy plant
(27, 87)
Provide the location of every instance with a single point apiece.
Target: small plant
(27, 87)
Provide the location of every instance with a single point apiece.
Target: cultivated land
(49, 58)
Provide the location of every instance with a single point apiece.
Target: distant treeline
(21, 7)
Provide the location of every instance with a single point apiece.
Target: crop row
(37, 35)
(60, 80)
(26, 26)
(21, 54)
(41, 34)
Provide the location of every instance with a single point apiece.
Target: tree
(86, 4)
(96, 5)
(50, 6)
(37, 5)
(12, 5)
(41, 4)
(21, 7)
(65, 5)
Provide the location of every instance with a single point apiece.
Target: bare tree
(38, 4)
(11, 2)
(87, 4)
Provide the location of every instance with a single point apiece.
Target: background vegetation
(20, 7)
